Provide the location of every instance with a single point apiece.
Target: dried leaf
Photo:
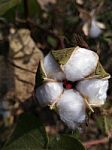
(24, 58)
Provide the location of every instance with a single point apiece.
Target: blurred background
(29, 25)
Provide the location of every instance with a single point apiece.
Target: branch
(96, 142)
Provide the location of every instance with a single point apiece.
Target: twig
(62, 42)
(96, 142)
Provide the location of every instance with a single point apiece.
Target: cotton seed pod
(95, 90)
(49, 92)
(81, 63)
(99, 73)
(52, 68)
(71, 108)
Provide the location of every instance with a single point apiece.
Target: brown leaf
(24, 57)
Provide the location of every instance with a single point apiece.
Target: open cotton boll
(95, 31)
(81, 63)
(71, 108)
(95, 90)
(52, 68)
(48, 92)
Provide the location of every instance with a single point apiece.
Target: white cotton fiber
(95, 31)
(81, 64)
(71, 108)
(95, 90)
(48, 92)
(52, 68)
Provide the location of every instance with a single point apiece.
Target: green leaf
(9, 12)
(108, 121)
(5, 5)
(29, 134)
(100, 123)
(34, 8)
(65, 142)
(105, 124)
(52, 41)
(63, 55)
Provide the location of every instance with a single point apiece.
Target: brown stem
(96, 142)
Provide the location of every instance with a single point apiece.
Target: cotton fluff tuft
(52, 68)
(71, 108)
(81, 64)
(95, 90)
(95, 31)
(48, 92)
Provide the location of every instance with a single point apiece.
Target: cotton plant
(91, 26)
(71, 80)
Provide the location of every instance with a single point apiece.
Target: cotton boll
(48, 92)
(52, 68)
(81, 63)
(95, 90)
(71, 108)
(95, 31)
